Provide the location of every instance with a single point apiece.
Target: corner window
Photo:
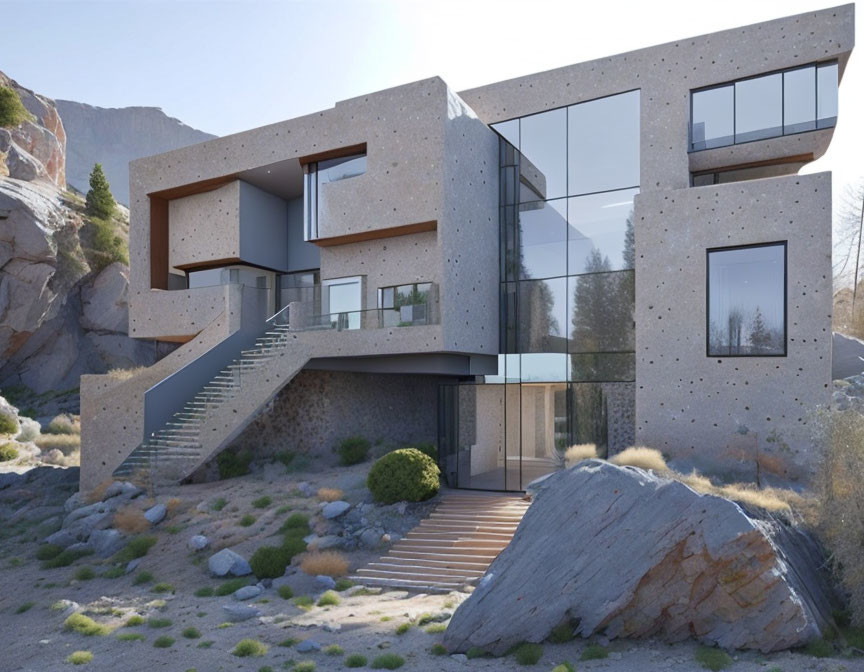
(405, 305)
(747, 301)
(319, 173)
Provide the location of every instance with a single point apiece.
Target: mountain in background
(116, 136)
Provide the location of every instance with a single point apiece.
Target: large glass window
(342, 302)
(543, 238)
(781, 103)
(323, 172)
(405, 305)
(543, 144)
(600, 232)
(542, 315)
(747, 301)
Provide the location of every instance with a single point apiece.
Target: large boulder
(628, 553)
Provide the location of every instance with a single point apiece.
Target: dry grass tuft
(131, 520)
(577, 453)
(644, 458)
(328, 563)
(172, 506)
(57, 457)
(329, 494)
(125, 374)
(64, 424)
(770, 499)
(65, 443)
(98, 492)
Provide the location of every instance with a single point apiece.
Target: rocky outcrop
(116, 136)
(35, 150)
(625, 552)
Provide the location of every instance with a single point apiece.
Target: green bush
(333, 650)
(65, 558)
(164, 642)
(231, 586)
(594, 652)
(329, 599)
(388, 661)
(162, 588)
(249, 647)
(106, 244)
(527, 653)
(296, 521)
(292, 546)
(343, 584)
(219, 504)
(233, 464)
(303, 602)
(114, 572)
(429, 449)
(262, 502)
(403, 475)
(141, 578)
(353, 450)
(8, 452)
(79, 657)
(131, 637)
(355, 660)
(285, 592)
(136, 548)
(712, 659)
(248, 520)
(12, 110)
(269, 562)
(84, 625)
(564, 667)
(206, 591)
(561, 634)
(438, 650)
(23, 608)
(100, 201)
(84, 574)
(160, 622)
(48, 551)
(192, 633)
(8, 424)
(132, 621)
(818, 648)
(305, 666)
(476, 652)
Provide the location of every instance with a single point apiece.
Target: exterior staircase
(453, 547)
(174, 451)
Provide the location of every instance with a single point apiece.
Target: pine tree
(760, 335)
(100, 202)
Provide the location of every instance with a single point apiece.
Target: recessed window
(405, 305)
(747, 301)
(319, 173)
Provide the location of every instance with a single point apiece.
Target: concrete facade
(426, 210)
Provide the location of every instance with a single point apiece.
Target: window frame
(728, 248)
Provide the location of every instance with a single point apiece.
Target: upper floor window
(767, 106)
(323, 172)
(747, 301)
(405, 305)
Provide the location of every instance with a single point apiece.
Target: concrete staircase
(453, 547)
(193, 434)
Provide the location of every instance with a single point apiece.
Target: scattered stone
(332, 627)
(156, 514)
(106, 543)
(370, 538)
(198, 542)
(643, 556)
(61, 538)
(264, 584)
(384, 645)
(325, 582)
(459, 657)
(132, 565)
(308, 646)
(113, 490)
(226, 562)
(307, 489)
(440, 617)
(240, 612)
(335, 509)
(247, 593)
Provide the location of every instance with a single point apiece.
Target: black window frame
(727, 248)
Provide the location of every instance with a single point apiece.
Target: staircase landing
(453, 547)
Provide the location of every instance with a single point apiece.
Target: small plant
(230, 586)
(48, 551)
(206, 644)
(132, 621)
(353, 450)
(343, 585)
(8, 425)
(262, 502)
(303, 602)
(269, 562)
(288, 643)
(249, 647)
(329, 494)
(438, 650)
(285, 592)
(564, 667)
(328, 563)
(594, 652)
(329, 599)
(23, 608)
(164, 642)
(191, 633)
(476, 652)
(8, 452)
(528, 653)
(114, 572)
(84, 574)
(84, 625)
(818, 648)
(402, 628)
(296, 521)
(131, 637)
(141, 578)
(355, 660)
(282, 510)
(206, 591)
(436, 628)
(160, 622)
(334, 650)
(162, 587)
(403, 475)
(305, 666)
(248, 520)
(561, 634)
(388, 661)
(79, 658)
(233, 464)
(64, 424)
(65, 558)
(219, 504)
(644, 458)
(136, 548)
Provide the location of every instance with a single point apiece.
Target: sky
(224, 67)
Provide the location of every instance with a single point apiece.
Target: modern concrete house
(619, 252)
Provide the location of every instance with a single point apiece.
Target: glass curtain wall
(568, 178)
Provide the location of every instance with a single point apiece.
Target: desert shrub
(328, 563)
(65, 443)
(594, 652)
(136, 548)
(289, 642)
(219, 504)
(23, 608)
(206, 591)
(343, 585)
(248, 520)
(8, 424)
(262, 502)
(84, 574)
(438, 650)
(164, 642)
(527, 653)
(84, 625)
(644, 458)
(231, 586)
(564, 667)
(402, 628)
(131, 637)
(66, 558)
(249, 647)
(355, 660)
(125, 374)
(79, 658)
(818, 648)
(353, 450)
(403, 475)
(269, 562)
(64, 424)
(579, 452)
(114, 572)
(141, 578)
(160, 622)
(333, 650)
(162, 588)
(712, 659)
(131, 520)
(133, 621)
(303, 602)
(561, 634)
(840, 486)
(387, 661)
(436, 628)
(48, 551)
(8, 452)
(298, 522)
(330, 598)
(475, 652)
(285, 592)
(305, 666)
(429, 449)
(12, 110)
(329, 494)
(293, 545)
(232, 464)
(191, 633)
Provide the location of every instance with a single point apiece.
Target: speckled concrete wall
(203, 227)
(318, 409)
(697, 408)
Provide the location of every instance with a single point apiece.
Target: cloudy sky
(228, 66)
